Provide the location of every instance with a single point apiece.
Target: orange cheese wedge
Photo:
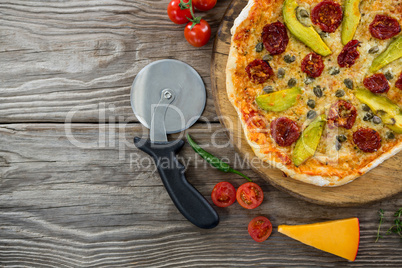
(340, 237)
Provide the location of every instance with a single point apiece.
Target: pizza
(317, 85)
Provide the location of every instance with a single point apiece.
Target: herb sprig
(189, 5)
(396, 228)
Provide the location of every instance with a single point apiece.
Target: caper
(292, 82)
(339, 93)
(311, 103)
(311, 114)
(374, 50)
(267, 57)
(338, 145)
(389, 75)
(317, 91)
(390, 135)
(368, 116)
(348, 83)
(289, 59)
(281, 73)
(324, 34)
(259, 47)
(377, 120)
(334, 71)
(341, 138)
(381, 112)
(303, 16)
(309, 80)
(303, 12)
(268, 89)
(366, 108)
(393, 122)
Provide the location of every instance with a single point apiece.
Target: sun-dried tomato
(384, 27)
(377, 83)
(368, 140)
(284, 131)
(259, 71)
(312, 65)
(398, 83)
(275, 38)
(327, 15)
(342, 114)
(349, 54)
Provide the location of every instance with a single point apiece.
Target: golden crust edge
(317, 180)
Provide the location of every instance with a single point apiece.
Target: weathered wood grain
(82, 56)
(84, 196)
(94, 206)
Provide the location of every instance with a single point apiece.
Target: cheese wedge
(340, 237)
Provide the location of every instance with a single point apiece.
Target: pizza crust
(324, 181)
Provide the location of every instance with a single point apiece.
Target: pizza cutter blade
(168, 96)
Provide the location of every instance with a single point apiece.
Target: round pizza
(317, 85)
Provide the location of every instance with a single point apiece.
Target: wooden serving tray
(382, 182)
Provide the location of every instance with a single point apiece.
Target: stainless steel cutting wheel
(185, 84)
(168, 96)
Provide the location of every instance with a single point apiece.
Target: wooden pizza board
(382, 182)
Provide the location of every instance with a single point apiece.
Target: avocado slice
(393, 52)
(308, 142)
(280, 100)
(305, 34)
(389, 112)
(351, 19)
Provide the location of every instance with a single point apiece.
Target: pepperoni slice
(349, 54)
(259, 71)
(384, 27)
(275, 38)
(341, 114)
(284, 131)
(312, 65)
(327, 15)
(398, 83)
(368, 140)
(377, 83)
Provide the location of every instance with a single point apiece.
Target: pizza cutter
(168, 96)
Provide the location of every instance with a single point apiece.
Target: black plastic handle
(187, 199)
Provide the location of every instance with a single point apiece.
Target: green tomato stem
(189, 5)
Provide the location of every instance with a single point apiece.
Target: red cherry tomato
(176, 14)
(223, 194)
(260, 228)
(204, 5)
(249, 195)
(199, 35)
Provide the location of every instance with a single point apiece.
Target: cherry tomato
(260, 228)
(249, 195)
(176, 14)
(204, 5)
(199, 35)
(223, 194)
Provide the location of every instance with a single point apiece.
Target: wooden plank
(77, 199)
(82, 56)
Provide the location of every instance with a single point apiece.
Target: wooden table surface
(75, 192)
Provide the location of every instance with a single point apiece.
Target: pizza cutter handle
(187, 199)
